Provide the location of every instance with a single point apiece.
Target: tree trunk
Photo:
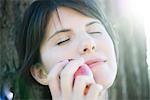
(132, 79)
(132, 82)
(11, 12)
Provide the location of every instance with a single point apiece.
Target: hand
(61, 78)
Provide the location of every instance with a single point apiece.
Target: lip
(93, 62)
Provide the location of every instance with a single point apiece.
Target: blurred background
(130, 20)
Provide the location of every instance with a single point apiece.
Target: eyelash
(61, 42)
(95, 32)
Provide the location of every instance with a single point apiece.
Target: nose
(87, 46)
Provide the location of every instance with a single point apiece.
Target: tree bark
(11, 12)
(132, 79)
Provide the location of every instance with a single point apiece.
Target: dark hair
(31, 33)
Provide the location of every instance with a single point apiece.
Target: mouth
(94, 62)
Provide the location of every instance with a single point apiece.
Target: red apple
(84, 70)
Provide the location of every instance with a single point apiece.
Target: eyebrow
(93, 22)
(60, 31)
(68, 30)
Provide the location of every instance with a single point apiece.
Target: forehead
(66, 17)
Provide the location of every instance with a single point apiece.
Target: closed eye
(61, 42)
(95, 32)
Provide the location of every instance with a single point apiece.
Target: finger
(94, 91)
(67, 76)
(53, 78)
(80, 85)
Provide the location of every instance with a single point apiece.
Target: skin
(84, 38)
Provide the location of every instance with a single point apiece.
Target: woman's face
(71, 35)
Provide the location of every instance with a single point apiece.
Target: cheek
(105, 75)
(50, 57)
(106, 45)
(47, 59)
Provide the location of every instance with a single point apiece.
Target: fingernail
(70, 59)
(81, 58)
(65, 61)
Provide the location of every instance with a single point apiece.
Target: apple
(84, 70)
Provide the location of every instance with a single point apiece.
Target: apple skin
(84, 70)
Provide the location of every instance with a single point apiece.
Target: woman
(59, 37)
